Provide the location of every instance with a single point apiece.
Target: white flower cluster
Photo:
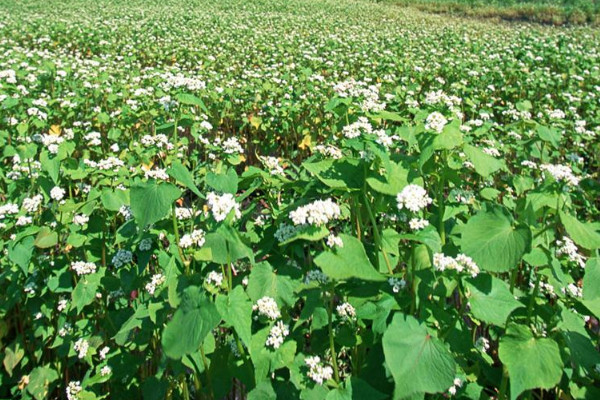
(232, 146)
(369, 94)
(482, 344)
(414, 198)
(7, 209)
(456, 385)
(328, 151)
(354, 130)
(106, 370)
(110, 163)
(272, 164)
(222, 205)
(317, 371)
(161, 141)
(572, 290)
(346, 311)
(122, 257)
(214, 279)
(183, 213)
(57, 193)
(277, 334)
(317, 213)
(73, 390)
(125, 211)
(103, 352)
(316, 275)
(93, 138)
(158, 174)
(81, 346)
(83, 268)
(568, 248)
(196, 238)
(31, 204)
(267, 307)
(397, 284)
(80, 219)
(418, 223)
(334, 241)
(561, 173)
(155, 282)
(435, 122)
(461, 263)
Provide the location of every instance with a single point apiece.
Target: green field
(296, 199)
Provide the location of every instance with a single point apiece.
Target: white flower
(317, 213)
(482, 344)
(182, 213)
(106, 370)
(568, 248)
(31, 204)
(57, 193)
(317, 371)
(418, 223)
(334, 241)
(232, 145)
(158, 173)
(62, 305)
(357, 128)
(277, 335)
(83, 268)
(23, 220)
(73, 390)
(9, 208)
(561, 173)
(267, 307)
(103, 352)
(196, 238)
(156, 280)
(435, 122)
(572, 290)
(272, 163)
(214, 278)
(81, 346)
(80, 219)
(222, 205)
(125, 211)
(346, 311)
(461, 263)
(413, 197)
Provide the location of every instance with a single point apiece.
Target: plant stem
(336, 374)
(378, 241)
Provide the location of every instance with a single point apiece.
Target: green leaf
(449, 138)
(493, 242)
(85, 291)
(550, 135)
(12, 357)
(347, 262)
(46, 238)
(484, 164)
(395, 179)
(490, 299)
(225, 182)
(180, 173)
(236, 310)
(50, 165)
(344, 174)
(41, 381)
(190, 99)
(418, 361)
(531, 362)
(191, 323)
(113, 200)
(151, 201)
(263, 281)
(581, 233)
(591, 286)
(20, 252)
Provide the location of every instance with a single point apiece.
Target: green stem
(336, 374)
(536, 289)
(503, 385)
(176, 232)
(378, 241)
(441, 209)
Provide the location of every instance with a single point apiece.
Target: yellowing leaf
(147, 167)
(255, 121)
(306, 142)
(55, 130)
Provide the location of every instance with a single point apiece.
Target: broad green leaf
(236, 310)
(190, 99)
(490, 299)
(581, 233)
(342, 174)
(46, 238)
(152, 201)
(85, 291)
(113, 200)
(395, 179)
(20, 251)
(347, 262)
(591, 286)
(550, 135)
(178, 171)
(493, 242)
(41, 382)
(194, 319)
(224, 182)
(449, 138)
(263, 281)
(12, 357)
(418, 361)
(484, 164)
(531, 362)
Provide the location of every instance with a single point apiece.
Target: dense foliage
(295, 199)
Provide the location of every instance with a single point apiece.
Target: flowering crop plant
(296, 199)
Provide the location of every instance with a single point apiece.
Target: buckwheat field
(296, 199)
